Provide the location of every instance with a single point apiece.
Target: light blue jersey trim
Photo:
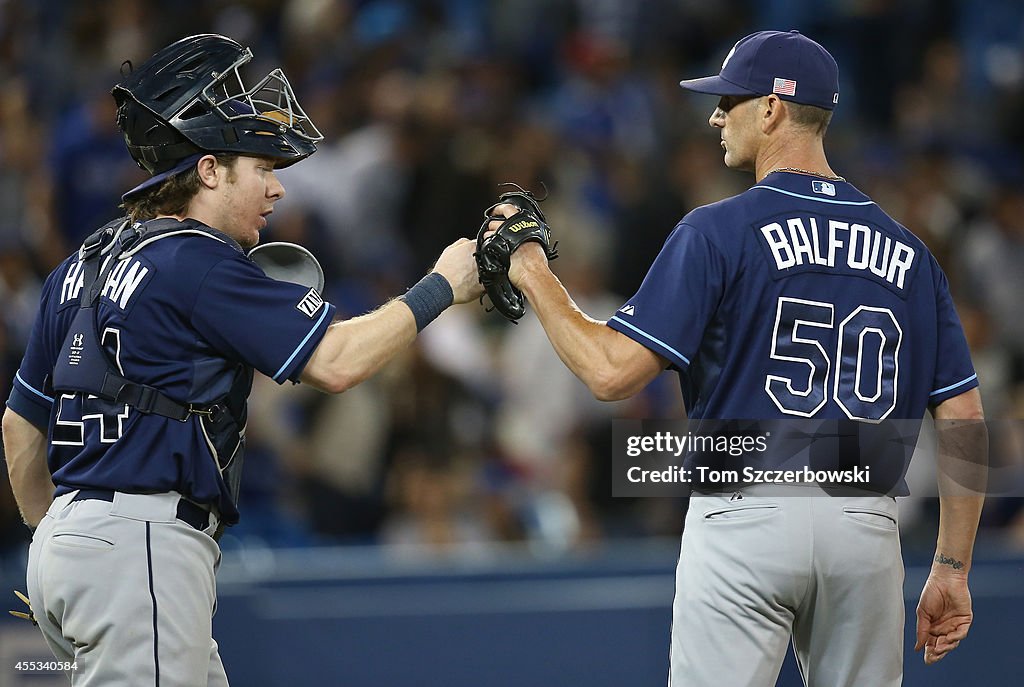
(651, 338)
(298, 348)
(953, 386)
(40, 394)
(820, 200)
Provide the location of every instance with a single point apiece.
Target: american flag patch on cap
(784, 87)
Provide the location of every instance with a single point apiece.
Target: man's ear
(773, 114)
(209, 171)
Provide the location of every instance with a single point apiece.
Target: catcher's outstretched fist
(456, 264)
(515, 220)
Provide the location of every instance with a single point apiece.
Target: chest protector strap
(83, 365)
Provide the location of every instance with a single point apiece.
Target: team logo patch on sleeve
(310, 303)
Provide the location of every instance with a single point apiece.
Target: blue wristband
(428, 299)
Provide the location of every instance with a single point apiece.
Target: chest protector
(85, 366)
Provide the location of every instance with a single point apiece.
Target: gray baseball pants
(126, 591)
(757, 571)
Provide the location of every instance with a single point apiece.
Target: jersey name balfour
(122, 283)
(799, 241)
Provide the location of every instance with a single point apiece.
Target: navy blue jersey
(800, 298)
(187, 313)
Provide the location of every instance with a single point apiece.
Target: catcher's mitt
(494, 251)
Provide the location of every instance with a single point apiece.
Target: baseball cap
(785, 63)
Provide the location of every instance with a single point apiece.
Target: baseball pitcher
(799, 298)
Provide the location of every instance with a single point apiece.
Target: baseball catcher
(494, 249)
(126, 420)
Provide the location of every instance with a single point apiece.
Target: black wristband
(428, 298)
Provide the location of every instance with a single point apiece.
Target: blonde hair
(173, 196)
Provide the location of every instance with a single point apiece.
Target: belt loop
(60, 503)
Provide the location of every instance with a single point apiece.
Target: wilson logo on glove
(519, 226)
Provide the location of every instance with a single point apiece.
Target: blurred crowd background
(478, 434)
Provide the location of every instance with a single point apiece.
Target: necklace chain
(830, 177)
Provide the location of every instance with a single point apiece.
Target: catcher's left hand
(494, 250)
(30, 616)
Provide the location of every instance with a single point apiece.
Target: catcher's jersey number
(862, 376)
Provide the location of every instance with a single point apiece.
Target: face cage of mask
(272, 100)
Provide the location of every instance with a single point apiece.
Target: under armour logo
(75, 354)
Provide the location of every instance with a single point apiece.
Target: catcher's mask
(190, 98)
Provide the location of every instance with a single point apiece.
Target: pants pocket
(741, 513)
(873, 517)
(82, 540)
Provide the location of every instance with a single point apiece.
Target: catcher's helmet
(190, 99)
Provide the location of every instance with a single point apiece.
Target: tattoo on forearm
(943, 559)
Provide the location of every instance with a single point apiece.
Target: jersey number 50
(803, 329)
